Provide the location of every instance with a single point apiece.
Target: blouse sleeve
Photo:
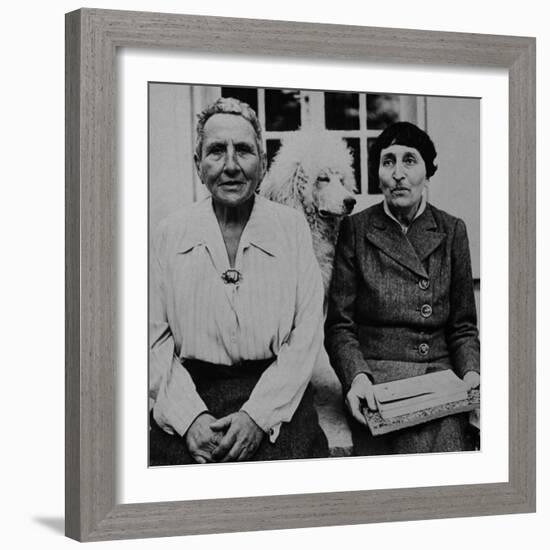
(279, 390)
(172, 392)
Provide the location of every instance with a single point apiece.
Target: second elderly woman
(402, 299)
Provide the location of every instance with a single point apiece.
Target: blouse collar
(419, 212)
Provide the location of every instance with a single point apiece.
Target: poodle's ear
(285, 186)
(304, 189)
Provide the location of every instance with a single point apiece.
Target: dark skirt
(449, 434)
(224, 390)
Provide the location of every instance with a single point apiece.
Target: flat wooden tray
(379, 426)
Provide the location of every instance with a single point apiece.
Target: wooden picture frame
(92, 39)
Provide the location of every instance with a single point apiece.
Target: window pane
(341, 111)
(382, 110)
(272, 146)
(373, 181)
(248, 95)
(282, 110)
(354, 145)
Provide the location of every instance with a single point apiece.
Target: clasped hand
(234, 437)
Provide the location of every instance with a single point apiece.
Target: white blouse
(274, 311)
(405, 228)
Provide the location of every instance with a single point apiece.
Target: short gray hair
(231, 106)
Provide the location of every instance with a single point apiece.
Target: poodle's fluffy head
(312, 171)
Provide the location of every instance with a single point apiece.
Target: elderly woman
(235, 312)
(402, 302)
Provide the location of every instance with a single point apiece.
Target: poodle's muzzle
(331, 198)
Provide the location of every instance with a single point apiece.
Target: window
(357, 117)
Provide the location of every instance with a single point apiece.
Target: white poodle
(313, 172)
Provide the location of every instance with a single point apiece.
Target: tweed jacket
(401, 304)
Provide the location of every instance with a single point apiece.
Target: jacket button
(424, 284)
(423, 348)
(426, 310)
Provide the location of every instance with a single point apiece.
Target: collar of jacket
(410, 250)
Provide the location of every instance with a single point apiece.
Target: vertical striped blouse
(274, 311)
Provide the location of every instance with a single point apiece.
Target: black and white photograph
(314, 274)
(275, 265)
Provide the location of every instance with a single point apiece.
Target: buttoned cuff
(177, 417)
(261, 420)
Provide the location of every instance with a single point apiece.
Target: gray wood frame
(92, 39)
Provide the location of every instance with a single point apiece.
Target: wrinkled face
(230, 164)
(402, 176)
(330, 196)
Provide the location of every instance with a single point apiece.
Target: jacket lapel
(408, 250)
(424, 234)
